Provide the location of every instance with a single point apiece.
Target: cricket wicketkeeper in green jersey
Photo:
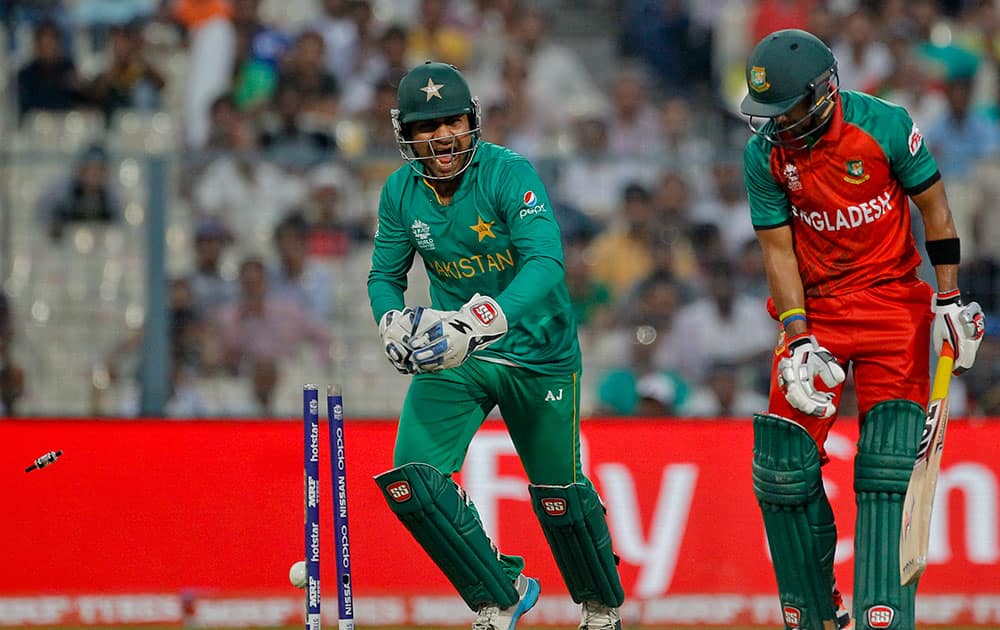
(499, 333)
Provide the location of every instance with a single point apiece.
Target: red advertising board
(143, 521)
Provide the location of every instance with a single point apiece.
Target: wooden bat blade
(914, 535)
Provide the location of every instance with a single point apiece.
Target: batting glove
(960, 325)
(445, 339)
(805, 360)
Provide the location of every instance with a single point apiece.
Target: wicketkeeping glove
(445, 339)
(961, 326)
(804, 361)
(395, 329)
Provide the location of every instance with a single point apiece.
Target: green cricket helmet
(432, 91)
(786, 68)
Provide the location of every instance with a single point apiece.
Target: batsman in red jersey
(829, 176)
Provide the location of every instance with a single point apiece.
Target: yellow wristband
(792, 311)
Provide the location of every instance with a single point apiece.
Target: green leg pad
(573, 521)
(434, 509)
(798, 520)
(887, 449)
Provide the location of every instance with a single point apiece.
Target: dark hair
(294, 222)
(634, 191)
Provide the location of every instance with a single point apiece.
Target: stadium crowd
(276, 113)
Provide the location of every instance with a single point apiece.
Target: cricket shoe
(496, 618)
(597, 616)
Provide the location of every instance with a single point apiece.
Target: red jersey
(846, 197)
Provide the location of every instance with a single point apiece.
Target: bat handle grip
(947, 350)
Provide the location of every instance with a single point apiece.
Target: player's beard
(806, 132)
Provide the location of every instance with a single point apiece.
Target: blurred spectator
(96, 14)
(687, 145)
(661, 33)
(723, 326)
(910, 83)
(436, 37)
(286, 140)
(303, 71)
(371, 63)
(193, 353)
(392, 44)
(961, 139)
(727, 206)
(671, 226)
(621, 255)
(863, 61)
(824, 23)
(637, 387)
(129, 81)
(211, 58)
(494, 37)
(750, 274)
(591, 178)
(963, 135)
(376, 124)
(210, 289)
(246, 192)
(634, 121)
(510, 100)
(49, 81)
(340, 37)
(765, 16)
(297, 276)
(723, 395)
(226, 122)
(259, 48)
(11, 374)
(657, 299)
(591, 299)
(336, 224)
(558, 82)
(260, 331)
(265, 43)
(706, 243)
(17, 14)
(87, 195)
(925, 16)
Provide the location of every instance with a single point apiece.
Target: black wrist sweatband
(944, 251)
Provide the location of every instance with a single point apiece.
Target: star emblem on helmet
(433, 90)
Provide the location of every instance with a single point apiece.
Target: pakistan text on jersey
(846, 219)
(474, 265)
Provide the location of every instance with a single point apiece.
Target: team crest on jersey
(422, 234)
(483, 229)
(856, 172)
(758, 79)
(792, 180)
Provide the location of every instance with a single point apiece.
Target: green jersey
(497, 237)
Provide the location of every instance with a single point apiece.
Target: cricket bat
(914, 535)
